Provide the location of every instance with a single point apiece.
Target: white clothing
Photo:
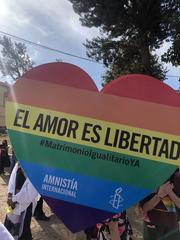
(23, 199)
(12, 180)
(4, 234)
(25, 196)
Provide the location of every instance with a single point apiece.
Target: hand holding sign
(87, 150)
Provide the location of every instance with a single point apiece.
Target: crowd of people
(160, 210)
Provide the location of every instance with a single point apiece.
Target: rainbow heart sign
(91, 154)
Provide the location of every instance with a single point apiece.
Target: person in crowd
(91, 232)
(13, 160)
(1, 162)
(22, 198)
(116, 228)
(5, 161)
(39, 213)
(4, 234)
(161, 211)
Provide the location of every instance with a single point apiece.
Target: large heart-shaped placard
(92, 154)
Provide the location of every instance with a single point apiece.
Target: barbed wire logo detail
(117, 199)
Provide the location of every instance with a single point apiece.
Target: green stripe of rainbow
(34, 149)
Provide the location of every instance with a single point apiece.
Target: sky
(54, 24)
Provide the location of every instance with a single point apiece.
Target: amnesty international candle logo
(100, 150)
(117, 199)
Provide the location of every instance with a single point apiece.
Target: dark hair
(4, 142)
(171, 179)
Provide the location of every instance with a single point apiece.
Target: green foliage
(173, 53)
(15, 60)
(114, 70)
(131, 31)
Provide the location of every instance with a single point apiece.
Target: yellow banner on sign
(115, 137)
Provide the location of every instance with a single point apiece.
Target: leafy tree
(130, 32)
(173, 53)
(14, 61)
